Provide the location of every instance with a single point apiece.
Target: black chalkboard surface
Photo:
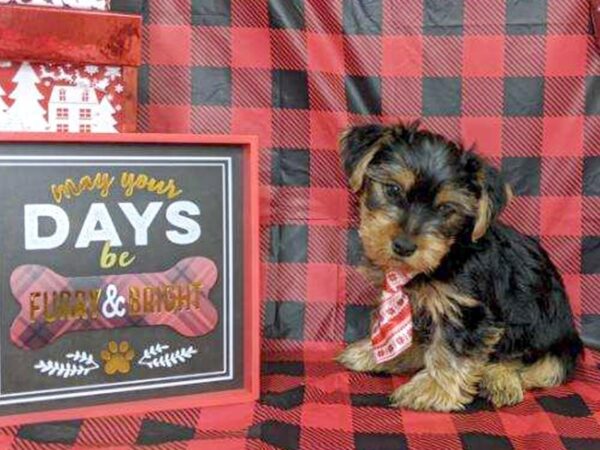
(128, 273)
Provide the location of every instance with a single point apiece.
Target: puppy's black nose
(403, 247)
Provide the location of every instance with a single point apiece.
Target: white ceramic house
(72, 108)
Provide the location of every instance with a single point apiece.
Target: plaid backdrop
(519, 78)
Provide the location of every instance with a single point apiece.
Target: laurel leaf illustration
(153, 357)
(83, 364)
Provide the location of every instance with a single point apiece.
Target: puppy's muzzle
(403, 247)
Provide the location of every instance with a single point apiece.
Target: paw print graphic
(117, 357)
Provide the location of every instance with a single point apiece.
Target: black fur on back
(520, 290)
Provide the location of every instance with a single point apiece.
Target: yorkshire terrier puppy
(490, 313)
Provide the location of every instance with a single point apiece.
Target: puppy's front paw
(424, 393)
(502, 391)
(359, 357)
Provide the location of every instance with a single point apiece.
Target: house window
(62, 95)
(85, 97)
(85, 114)
(62, 113)
(85, 128)
(62, 128)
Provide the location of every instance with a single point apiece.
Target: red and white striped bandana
(391, 329)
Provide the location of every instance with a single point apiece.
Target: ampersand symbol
(114, 304)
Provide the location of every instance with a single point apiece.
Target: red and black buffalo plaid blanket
(521, 78)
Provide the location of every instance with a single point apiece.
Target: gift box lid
(66, 35)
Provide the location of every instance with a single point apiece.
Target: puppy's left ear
(495, 194)
(358, 146)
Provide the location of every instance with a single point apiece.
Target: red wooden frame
(130, 100)
(251, 338)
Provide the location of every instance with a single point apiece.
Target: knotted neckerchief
(391, 328)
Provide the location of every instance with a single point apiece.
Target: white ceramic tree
(3, 111)
(104, 121)
(26, 113)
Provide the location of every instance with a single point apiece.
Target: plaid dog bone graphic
(53, 305)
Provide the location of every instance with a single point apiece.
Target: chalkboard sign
(128, 273)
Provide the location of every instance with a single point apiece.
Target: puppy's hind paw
(423, 393)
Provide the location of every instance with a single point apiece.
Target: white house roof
(73, 94)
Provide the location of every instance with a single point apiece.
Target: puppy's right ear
(358, 147)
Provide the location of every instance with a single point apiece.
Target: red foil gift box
(64, 70)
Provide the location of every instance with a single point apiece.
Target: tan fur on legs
(447, 383)
(504, 383)
(546, 372)
(359, 357)
(501, 383)
(411, 360)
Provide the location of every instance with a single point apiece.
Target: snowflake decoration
(62, 75)
(112, 72)
(102, 84)
(119, 88)
(46, 83)
(118, 107)
(111, 97)
(91, 70)
(82, 81)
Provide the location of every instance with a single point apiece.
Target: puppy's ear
(358, 146)
(495, 193)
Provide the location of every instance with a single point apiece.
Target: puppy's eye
(446, 209)
(393, 191)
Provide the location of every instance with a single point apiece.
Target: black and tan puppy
(490, 312)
